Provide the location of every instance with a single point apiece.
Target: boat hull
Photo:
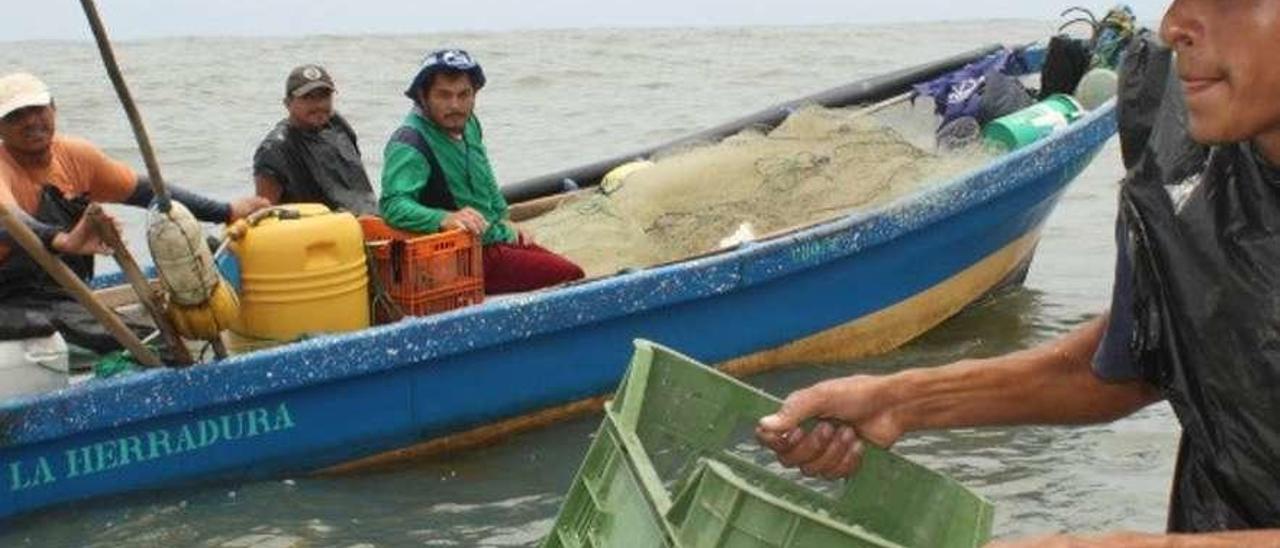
(851, 287)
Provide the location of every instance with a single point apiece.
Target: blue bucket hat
(445, 60)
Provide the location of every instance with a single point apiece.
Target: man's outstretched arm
(1267, 538)
(1050, 384)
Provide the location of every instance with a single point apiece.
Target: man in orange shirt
(48, 181)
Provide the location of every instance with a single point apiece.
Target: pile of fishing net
(817, 165)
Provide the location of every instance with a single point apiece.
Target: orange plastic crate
(441, 300)
(412, 266)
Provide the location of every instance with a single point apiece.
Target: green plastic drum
(1033, 123)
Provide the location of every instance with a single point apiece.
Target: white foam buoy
(181, 256)
(1097, 87)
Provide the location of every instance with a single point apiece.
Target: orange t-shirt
(76, 167)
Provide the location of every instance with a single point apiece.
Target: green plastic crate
(672, 415)
(607, 505)
(746, 506)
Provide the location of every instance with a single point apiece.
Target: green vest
(468, 177)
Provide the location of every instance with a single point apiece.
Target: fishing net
(115, 364)
(818, 164)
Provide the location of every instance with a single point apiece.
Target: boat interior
(702, 199)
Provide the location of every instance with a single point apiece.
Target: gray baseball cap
(306, 79)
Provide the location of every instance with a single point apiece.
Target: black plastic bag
(23, 323)
(1201, 231)
(1001, 95)
(1065, 62)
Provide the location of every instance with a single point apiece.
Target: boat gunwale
(112, 403)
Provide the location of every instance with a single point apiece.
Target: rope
(380, 296)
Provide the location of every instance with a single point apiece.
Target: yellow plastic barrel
(302, 272)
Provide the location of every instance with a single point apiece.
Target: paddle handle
(126, 99)
(62, 274)
(890, 102)
(146, 294)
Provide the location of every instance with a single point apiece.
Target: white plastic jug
(32, 366)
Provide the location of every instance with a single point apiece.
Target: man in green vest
(436, 176)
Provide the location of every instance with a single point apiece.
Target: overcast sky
(133, 19)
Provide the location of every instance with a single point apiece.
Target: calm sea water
(560, 98)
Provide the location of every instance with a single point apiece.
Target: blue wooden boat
(850, 287)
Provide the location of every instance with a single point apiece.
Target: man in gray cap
(312, 155)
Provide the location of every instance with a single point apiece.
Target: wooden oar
(126, 99)
(146, 294)
(74, 285)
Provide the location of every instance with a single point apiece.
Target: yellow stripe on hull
(889, 328)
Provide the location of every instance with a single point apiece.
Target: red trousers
(512, 268)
